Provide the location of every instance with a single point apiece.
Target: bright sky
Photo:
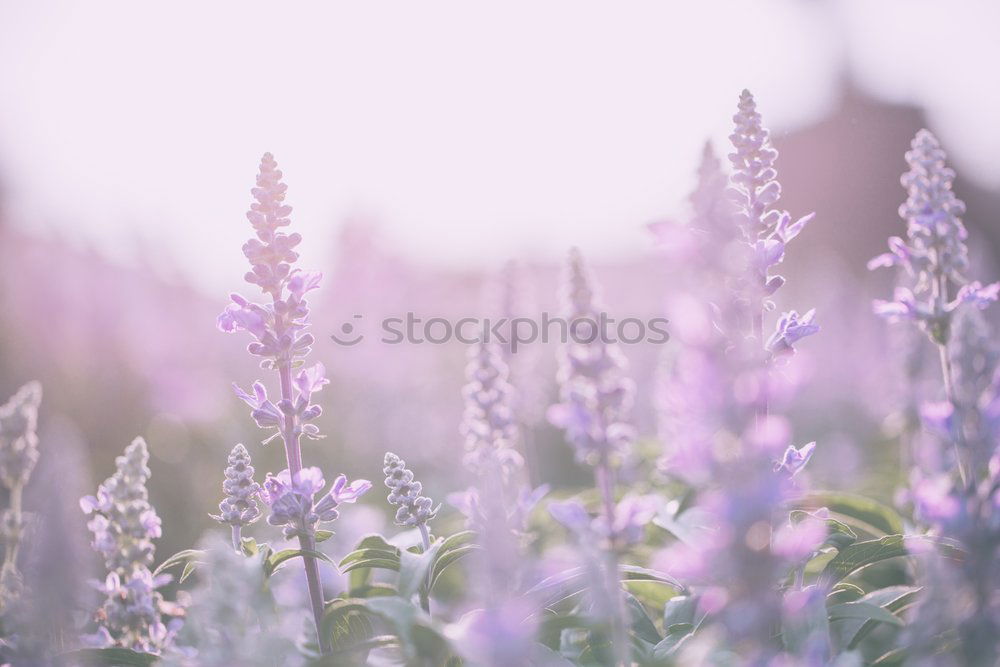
(471, 131)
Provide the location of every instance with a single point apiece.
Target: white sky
(471, 131)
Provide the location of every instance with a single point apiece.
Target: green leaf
(323, 535)
(185, 556)
(348, 625)
(459, 539)
(896, 656)
(187, 571)
(860, 555)
(275, 560)
(642, 626)
(635, 573)
(414, 568)
(372, 552)
(844, 591)
(680, 620)
(453, 548)
(853, 629)
(676, 635)
(443, 560)
(865, 513)
(864, 611)
(679, 609)
(376, 563)
(106, 657)
(249, 546)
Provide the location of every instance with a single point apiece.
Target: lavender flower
(722, 433)
(239, 508)
(965, 510)
(278, 327)
(934, 253)
(18, 456)
(124, 526)
(414, 510)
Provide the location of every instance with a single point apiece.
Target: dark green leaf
(642, 626)
(863, 611)
(860, 555)
(851, 631)
(679, 609)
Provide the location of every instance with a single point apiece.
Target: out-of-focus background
(425, 146)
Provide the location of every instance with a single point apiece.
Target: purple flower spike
(414, 509)
(934, 251)
(124, 525)
(278, 326)
(239, 508)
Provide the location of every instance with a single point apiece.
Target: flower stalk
(281, 340)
